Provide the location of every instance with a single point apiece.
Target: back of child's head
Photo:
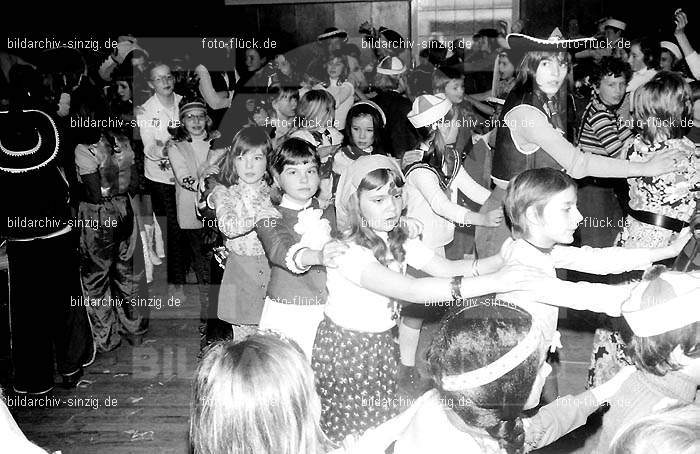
(473, 338)
(255, 396)
(443, 75)
(673, 430)
(532, 188)
(663, 107)
(655, 354)
(316, 109)
(292, 152)
(364, 109)
(248, 139)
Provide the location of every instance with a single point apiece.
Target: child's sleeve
(230, 216)
(183, 176)
(557, 419)
(279, 244)
(417, 253)
(609, 260)
(471, 188)
(427, 184)
(582, 295)
(354, 262)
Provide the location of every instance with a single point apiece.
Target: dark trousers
(200, 262)
(165, 208)
(46, 311)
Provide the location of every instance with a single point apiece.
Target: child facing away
(431, 195)
(296, 238)
(541, 206)
(314, 123)
(674, 429)
(257, 396)
(488, 368)
(664, 317)
(660, 206)
(354, 354)
(242, 193)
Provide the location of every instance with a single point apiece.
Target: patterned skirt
(355, 378)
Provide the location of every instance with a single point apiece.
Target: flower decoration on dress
(315, 231)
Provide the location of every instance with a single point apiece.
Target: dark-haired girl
(488, 368)
(355, 358)
(297, 243)
(531, 132)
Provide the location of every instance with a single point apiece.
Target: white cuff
(292, 265)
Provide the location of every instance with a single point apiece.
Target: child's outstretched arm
(427, 183)
(581, 296)
(567, 413)
(613, 260)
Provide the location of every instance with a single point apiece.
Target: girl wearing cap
(188, 152)
(354, 354)
(479, 400)
(432, 188)
(670, 56)
(664, 319)
(531, 130)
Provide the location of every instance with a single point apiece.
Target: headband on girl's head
(376, 107)
(683, 310)
(352, 177)
(497, 369)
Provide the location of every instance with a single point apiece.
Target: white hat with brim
(428, 109)
(615, 23)
(391, 66)
(683, 310)
(675, 50)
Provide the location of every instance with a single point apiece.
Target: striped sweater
(602, 132)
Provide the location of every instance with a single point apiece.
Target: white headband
(676, 313)
(498, 368)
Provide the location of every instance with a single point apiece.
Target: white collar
(288, 202)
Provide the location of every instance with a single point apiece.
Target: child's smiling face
(381, 207)
(454, 91)
(251, 166)
(557, 222)
(299, 182)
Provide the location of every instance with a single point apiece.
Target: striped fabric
(602, 131)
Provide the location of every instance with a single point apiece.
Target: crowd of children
(336, 209)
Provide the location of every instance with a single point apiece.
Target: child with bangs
(296, 237)
(241, 195)
(541, 206)
(315, 123)
(355, 358)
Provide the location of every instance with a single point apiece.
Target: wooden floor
(136, 399)
(133, 399)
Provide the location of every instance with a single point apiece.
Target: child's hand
(327, 150)
(604, 392)
(493, 218)
(413, 225)
(518, 277)
(663, 162)
(675, 248)
(207, 169)
(331, 251)
(681, 20)
(410, 157)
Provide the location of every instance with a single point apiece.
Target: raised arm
(427, 184)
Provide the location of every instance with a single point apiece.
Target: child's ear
(532, 216)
